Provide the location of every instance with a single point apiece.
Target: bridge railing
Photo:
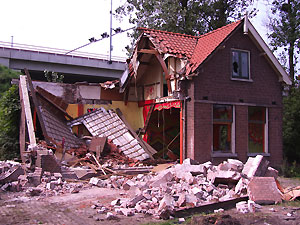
(16, 46)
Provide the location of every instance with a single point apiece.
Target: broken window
(222, 126)
(240, 64)
(256, 129)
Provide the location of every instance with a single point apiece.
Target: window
(240, 64)
(257, 134)
(222, 128)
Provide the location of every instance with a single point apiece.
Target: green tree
(291, 125)
(9, 123)
(285, 32)
(5, 78)
(194, 17)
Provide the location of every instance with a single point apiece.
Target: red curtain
(159, 107)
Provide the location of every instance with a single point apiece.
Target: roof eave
(284, 75)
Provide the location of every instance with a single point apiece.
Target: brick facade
(214, 85)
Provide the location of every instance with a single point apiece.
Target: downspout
(182, 131)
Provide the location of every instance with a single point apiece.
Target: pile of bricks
(179, 187)
(161, 194)
(39, 183)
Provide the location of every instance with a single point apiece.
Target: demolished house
(208, 97)
(205, 100)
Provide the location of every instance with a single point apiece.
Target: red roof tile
(207, 43)
(173, 43)
(194, 48)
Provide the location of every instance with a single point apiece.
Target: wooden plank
(162, 63)
(165, 69)
(147, 119)
(208, 207)
(22, 126)
(147, 51)
(36, 105)
(27, 109)
(54, 104)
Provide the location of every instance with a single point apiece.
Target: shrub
(9, 123)
(291, 125)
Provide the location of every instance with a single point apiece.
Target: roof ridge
(220, 28)
(187, 35)
(168, 32)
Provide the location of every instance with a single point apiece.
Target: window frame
(265, 132)
(232, 131)
(240, 77)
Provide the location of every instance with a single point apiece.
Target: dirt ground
(67, 209)
(16, 208)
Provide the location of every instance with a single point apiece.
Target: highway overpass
(75, 66)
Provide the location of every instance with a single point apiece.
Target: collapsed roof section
(102, 123)
(57, 130)
(178, 45)
(50, 116)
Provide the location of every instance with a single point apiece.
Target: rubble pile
(37, 183)
(179, 187)
(161, 193)
(112, 154)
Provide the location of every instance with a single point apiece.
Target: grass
(295, 203)
(169, 222)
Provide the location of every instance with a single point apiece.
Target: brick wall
(275, 136)
(214, 84)
(241, 131)
(203, 132)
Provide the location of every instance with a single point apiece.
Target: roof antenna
(246, 22)
(110, 34)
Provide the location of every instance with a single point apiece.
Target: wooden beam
(181, 121)
(165, 69)
(147, 51)
(147, 119)
(22, 126)
(26, 105)
(162, 63)
(37, 106)
(53, 103)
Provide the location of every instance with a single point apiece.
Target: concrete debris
(263, 190)
(247, 206)
(160, 194)
(111, 216)
(181, 220)
(271, 172)
(11, 174)
(219, 210)
(256, 166)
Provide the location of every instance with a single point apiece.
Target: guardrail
(56, 51)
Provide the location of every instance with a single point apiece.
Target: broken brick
(263, 190)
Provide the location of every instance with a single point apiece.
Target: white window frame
(233, 139)
(231, 60)
(266, 136)
(233, 130)
(267, 132)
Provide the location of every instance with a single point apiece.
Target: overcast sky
(68, 24)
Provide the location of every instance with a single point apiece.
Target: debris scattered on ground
(160, 192)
